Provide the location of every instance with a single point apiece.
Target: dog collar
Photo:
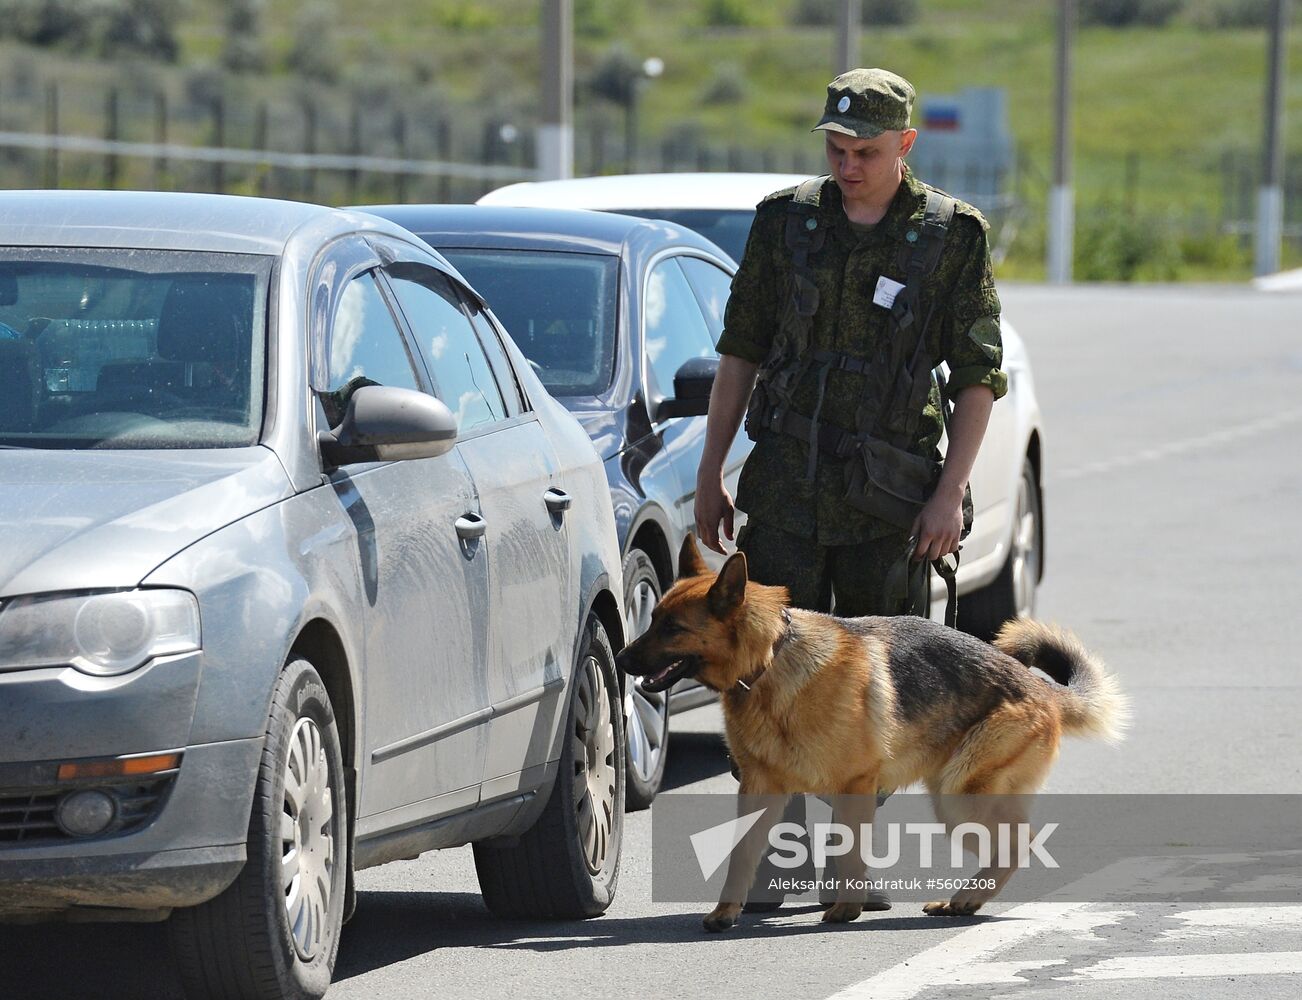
(745, 685)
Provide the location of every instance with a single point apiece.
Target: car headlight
(101, 634)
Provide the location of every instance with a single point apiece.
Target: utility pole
(847, 40)
(556, 129)
(1061, 206)
(1270, 196)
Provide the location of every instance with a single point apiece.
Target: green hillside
(1167, 118)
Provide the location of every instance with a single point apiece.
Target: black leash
(949, 573)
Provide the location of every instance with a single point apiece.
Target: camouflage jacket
(963, 331)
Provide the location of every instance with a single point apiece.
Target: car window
(452, 352)
(675, 329)
(711, 284)
(559, 308)
(365, 347)
(491, 339)
(726, 228)
(120, 349)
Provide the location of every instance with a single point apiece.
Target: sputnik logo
(713, 846)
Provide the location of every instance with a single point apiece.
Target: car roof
(168, 221)
(647, 191)
(558, 229)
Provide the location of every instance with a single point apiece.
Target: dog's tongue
(662, 675)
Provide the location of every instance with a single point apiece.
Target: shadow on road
(87, 962)
(694, 757)
(391, 927)
(132, 962)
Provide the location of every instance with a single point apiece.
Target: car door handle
(558, 501)
(471, 526)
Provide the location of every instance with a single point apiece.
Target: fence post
(52, 130)
(1132, 181)
(355, 147)
(219, 140)
(400, 139)
(443, 139)
(309, 143)
(112, 134)
(260, 143)
(160, 137)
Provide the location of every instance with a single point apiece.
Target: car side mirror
(384, 424)
(693, 383)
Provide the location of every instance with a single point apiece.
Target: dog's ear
(690, 562)
(729, 590)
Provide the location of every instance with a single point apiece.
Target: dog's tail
(1093, 704)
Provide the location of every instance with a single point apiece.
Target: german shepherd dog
(848, 707)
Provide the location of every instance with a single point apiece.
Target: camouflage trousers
(848, 580)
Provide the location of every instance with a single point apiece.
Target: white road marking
(946, 963)
(1216, 923)
(1262, 963)
(1223, 436)
(961, 960)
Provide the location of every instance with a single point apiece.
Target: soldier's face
(863, 168)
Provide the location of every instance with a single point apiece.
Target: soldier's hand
(938, 526)
(713, 504)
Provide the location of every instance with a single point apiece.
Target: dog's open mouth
(665, 679)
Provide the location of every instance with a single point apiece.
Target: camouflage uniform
(802, 533)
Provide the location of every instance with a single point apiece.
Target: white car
(1003, 558)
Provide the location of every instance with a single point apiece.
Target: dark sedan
(619, 317)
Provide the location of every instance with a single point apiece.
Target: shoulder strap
(803, 237)
(923, 243)
(808, 190)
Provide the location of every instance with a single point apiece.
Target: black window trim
(503, 422)
(648, 377)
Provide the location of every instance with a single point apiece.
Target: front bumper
(190, 851)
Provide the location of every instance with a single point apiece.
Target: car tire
(646, 715)
(1012, 593)
(271, 934)
(566, 866)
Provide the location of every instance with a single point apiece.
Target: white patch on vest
(886, 292)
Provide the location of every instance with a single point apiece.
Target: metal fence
(326, 149)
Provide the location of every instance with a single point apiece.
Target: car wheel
(646, 715)
(567, 864)
(274, 932)
(1012, 593)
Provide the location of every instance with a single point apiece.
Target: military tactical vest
(883, 476)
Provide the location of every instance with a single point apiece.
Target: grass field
(1159, 112)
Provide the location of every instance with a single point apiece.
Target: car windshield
(558, 307)
(726, 228)
(131, 348)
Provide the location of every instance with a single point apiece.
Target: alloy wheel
(1026, 549)
(307, 839)
(594, 765)
(646, 714)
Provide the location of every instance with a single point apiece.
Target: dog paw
(842, 913)
(721, 917)
(952, 908)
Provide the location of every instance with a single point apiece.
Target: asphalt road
(1174, 483)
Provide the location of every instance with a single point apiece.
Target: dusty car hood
(76, 520)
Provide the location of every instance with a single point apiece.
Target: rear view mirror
(693, 383)
(384, 424)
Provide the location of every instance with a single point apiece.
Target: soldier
(851, 290)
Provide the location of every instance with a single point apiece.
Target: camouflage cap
(864, 103)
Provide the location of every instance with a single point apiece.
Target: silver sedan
(303, 571)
